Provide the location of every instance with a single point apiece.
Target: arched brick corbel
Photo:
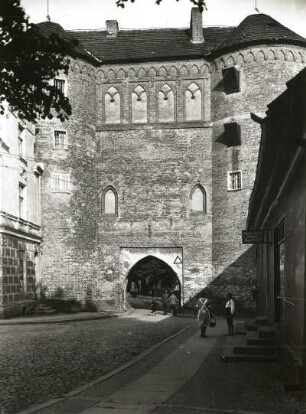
(142, 73)
(230, 61)
(194, 70)
(162, 72)
(111, 74)
(121, 73)
(184, 71)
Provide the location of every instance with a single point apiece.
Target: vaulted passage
(149, 277)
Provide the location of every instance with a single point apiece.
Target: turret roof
(48, 29)
(259, 28)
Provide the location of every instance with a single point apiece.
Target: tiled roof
(258, 28)
(153, 44)
(172, 44)
(48, 29)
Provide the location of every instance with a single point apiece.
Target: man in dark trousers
(230, 309)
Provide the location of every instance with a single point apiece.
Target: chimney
(112, 28)
(196, 28)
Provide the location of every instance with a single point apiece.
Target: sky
(92, 14)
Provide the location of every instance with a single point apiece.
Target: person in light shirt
(230, 309)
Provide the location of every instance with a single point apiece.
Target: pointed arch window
(110, 201)
(112, 106)
(198, 199)
(139, 105)
(193, 103)
(165, 104)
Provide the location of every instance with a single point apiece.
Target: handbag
(213, 322)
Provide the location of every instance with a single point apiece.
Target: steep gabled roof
(259, 28)
(151, 44)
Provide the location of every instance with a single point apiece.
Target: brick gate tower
(159, 156)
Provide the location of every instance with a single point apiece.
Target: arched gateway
(144, 271)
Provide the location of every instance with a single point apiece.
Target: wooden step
(260, 341)
(261, 320)
(250, 326)
(248, 358)
(240, 328)
(266, 332)
(254, 350)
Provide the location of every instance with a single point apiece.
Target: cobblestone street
(40, 362)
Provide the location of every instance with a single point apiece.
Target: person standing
(230, 309)
(173, 301)
(165, 301)
(203, 314)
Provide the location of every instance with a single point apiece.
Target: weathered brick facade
(263, 75)
(151, 163)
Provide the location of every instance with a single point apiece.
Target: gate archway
(151, 270)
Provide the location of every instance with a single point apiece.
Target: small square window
(234, 180)
(60, 140)
(59, 85)
(60, 182)
(231, 80)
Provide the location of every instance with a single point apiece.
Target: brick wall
(69, 215)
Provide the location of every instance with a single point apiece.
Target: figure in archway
(148, 279)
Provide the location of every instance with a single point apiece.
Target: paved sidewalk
(162, 381)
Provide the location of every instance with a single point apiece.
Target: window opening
(198, 199)
(21, 200)
(139, 105)
(61, 182)
(231, 80)
(193, 104)
(112, 106)
(165, 104)
(59, 85)
(60, 139)
(110, 202)
(234, 180)
(20, 140)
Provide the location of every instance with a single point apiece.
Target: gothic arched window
(193, 103)
(198, 199)
(112, 106)
(139, 105)
(165, 104)
(110, 201)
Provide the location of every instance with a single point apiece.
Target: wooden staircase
(253, 342)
